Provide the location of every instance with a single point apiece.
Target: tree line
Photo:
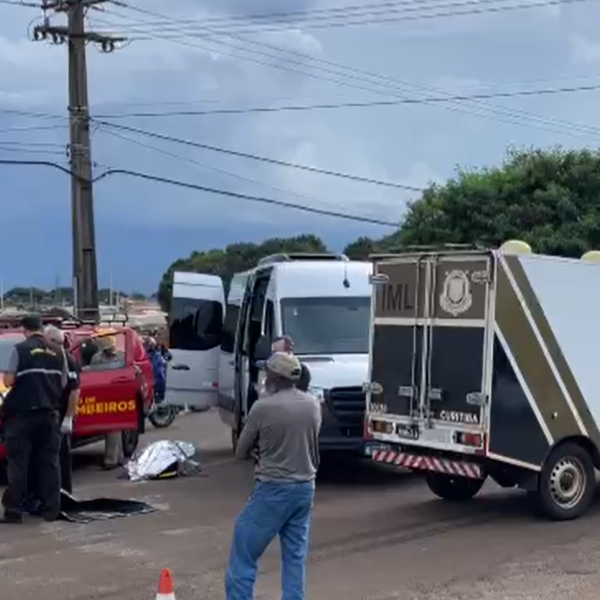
(547, 198)
(28, 296)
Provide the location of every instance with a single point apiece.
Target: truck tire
(566, 484)
(130, 440)
(453, 488)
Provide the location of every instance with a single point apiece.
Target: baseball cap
(282, 364)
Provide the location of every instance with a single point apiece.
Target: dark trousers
(66, 474)
(66, 466)
(32, 438)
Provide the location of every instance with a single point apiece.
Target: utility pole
(85, 270)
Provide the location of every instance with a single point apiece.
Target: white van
(323, 302)
(195, 329)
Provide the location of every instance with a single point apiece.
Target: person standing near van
(284, 425)
(36, 378)
(68, 406)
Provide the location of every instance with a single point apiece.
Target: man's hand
(66, 427)
(254, 455)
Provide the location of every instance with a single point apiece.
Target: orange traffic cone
(165, 586)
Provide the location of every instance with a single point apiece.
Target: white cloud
(584, 50)
(411, 144)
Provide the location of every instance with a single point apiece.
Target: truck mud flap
(420, 462)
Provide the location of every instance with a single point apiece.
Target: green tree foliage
(549, 199)
(234, 259)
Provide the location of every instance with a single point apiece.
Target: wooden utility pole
(85, 270)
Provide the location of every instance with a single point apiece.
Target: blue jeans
(273, 508)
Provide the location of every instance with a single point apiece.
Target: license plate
(372, 447)
(407, 431)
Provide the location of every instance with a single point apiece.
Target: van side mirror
(263, 348)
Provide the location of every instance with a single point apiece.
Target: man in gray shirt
(283, 427)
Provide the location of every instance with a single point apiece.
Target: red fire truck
(115, 396)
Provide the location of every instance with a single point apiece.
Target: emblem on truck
(456, 297)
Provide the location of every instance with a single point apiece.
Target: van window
(229, 327)
(327, 325)
(195, 324)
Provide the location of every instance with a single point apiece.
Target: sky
(210, 55)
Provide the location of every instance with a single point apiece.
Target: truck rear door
(430, 345)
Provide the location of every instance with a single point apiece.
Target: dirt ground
(376, 535)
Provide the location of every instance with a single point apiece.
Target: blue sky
(142, 227)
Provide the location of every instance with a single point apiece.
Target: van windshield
(7, 343)
(327, 325)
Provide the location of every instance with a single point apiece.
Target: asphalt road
(376, 535)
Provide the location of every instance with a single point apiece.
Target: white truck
(486, 364)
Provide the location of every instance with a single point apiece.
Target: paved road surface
(376, 536)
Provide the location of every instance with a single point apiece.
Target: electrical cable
(377, 17)
(256, 157)
(514, 117)
(189, 185)
(366, 104)
(206, 166)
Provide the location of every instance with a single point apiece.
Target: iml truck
(486, 364)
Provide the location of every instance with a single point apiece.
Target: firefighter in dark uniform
(36, 378)
(68, 406)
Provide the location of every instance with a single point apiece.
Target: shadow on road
(342, 470)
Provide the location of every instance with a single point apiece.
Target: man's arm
(74, 386)
(249, 436)
(13, 366)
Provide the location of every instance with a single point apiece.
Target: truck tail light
(469, 439)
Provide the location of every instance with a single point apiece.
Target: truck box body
(482, 359)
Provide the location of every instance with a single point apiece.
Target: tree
(550, 199)
(235, 258)
(361, 248)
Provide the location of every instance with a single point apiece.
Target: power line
(202, 165)
(193, 186)
(366, 104)
(20, 3)
(469, 8)
(248, 197)
(256, 157)
(33, 128)
(503, 114)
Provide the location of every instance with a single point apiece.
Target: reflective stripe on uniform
(42, 371)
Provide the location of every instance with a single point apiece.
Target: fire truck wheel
(131, 439)
(453, 488)
(566, 483)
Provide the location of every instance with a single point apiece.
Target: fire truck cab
(115, 395)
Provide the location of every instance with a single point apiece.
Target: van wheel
(566, 484)
(130, 440)
(453, 488)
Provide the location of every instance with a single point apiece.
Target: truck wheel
(451, 487)
(130, 440)
(566, 483)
